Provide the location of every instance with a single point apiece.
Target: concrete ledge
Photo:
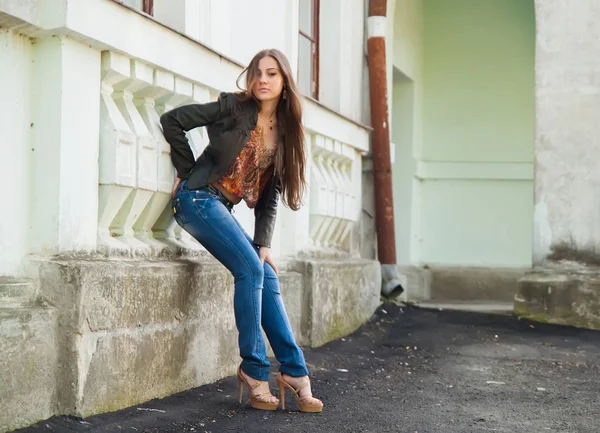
(498, 307)
(15, 292)
(561, 296)
(133, 330)
(342, 295)
(130, 330)
(469, 283)
(416, 282)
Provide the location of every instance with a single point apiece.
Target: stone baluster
(348, 216)
(332, 222)
(166, 229)
(133, 209)
(338, 161)
(117, 156)
(318, 196)
(145, 101)
(333, 195)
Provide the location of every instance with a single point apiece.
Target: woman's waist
(185, 188)
(228, 195)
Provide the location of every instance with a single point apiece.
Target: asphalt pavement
(406, 370)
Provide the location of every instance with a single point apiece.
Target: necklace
(271, 121)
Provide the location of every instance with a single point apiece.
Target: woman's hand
(177, 182)
(264, 254)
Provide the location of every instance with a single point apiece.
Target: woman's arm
(265, 213)
(175, 123)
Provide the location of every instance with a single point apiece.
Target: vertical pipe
(382, 165)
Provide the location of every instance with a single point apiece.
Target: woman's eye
(272, 74)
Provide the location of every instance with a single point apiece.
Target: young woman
(256, 153)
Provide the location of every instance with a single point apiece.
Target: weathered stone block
(28, 353)
(133, 330)
(134, 366)
(343, 295)
(416, 282)
(567, 297)
(294, 293)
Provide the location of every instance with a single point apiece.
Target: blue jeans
(206, 215)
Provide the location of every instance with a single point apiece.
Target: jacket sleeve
(265, 214)
(176, 122)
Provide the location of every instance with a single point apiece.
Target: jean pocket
(209, 205)
(203, 197)
(178, 211)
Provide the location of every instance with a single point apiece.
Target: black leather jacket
(229, 123)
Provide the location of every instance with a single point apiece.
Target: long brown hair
(290, 160)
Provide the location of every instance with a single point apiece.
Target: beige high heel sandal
(257, 401)
(305, 404)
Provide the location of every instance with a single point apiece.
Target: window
(146, 6)
(308, 48)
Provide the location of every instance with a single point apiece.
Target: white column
(64, 193)
(567, 147)
(16, 54)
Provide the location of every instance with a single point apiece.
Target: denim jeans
(206, 215)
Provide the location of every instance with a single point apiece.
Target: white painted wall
(235, 27)
(478, 108)
(463, 177)
(16, 55)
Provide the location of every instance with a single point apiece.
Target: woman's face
(269, 81)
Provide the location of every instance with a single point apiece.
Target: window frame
(148, 7)
(314, 40)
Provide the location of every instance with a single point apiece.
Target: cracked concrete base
(27, 364)
(561, 295)
(130, 330)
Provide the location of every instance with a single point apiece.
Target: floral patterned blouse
(248, 173)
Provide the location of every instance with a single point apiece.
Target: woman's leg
(275, 322)
(202, 215)
(279, 332)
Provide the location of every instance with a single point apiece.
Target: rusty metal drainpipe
(382, 164)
